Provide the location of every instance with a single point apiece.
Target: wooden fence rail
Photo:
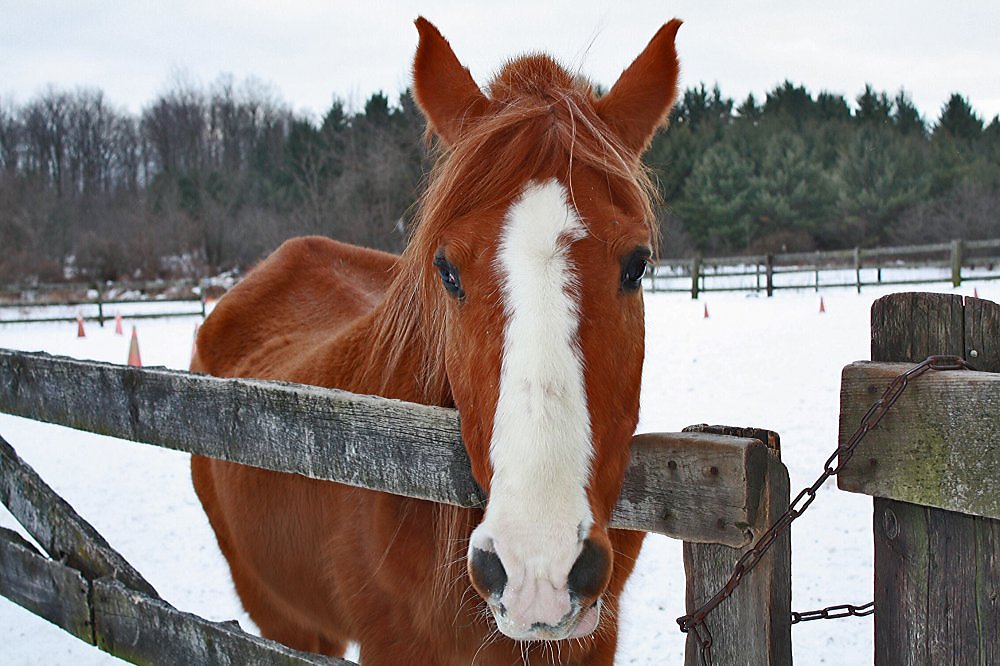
(86, 588)
(97, 302)
(715, 491)
(704, 274)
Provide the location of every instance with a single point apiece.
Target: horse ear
(640, 100)
(445, 91)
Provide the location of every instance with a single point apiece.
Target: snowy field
(773, 363)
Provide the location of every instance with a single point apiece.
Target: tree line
(207, 179)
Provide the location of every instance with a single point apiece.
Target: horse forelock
(541, 124)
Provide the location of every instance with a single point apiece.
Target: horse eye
(634, 268)
(449, 276)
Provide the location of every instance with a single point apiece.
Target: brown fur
(318, 564)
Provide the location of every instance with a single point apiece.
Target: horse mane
(540, 124)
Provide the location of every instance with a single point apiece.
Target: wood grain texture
(939, 446)
(753, 626)
(143, 630)
(57, 528)
(48, 589)
(387, 445)
(937, 572)
(982, 334)
(706, 487)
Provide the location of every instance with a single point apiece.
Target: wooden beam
(143, 630)
(939, 445)
(48, 589)
(415, 450)
(704, 486)
(387, 445)
(57, 528)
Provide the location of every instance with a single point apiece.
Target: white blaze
(541, 448)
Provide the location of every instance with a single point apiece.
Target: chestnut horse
(518, 301)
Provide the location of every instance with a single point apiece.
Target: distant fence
(45, 303)
(855, 268)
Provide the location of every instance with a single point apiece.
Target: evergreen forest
(209, 179)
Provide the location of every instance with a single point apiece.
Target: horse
(517, 301)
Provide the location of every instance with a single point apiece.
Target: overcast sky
(313, 50)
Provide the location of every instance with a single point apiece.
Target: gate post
(936, 573)
(754, 625)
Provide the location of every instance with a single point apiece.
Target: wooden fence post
(769, 274)
(695, 273)
(857, 267)
(937, 583)
(956, 263)
(753, 626)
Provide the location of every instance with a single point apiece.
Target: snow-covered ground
(773, 363)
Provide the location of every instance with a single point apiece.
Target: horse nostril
(488, 574)
(590, 572)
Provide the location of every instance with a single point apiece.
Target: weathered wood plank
(57, 528)
(48, 589)
(939, 446)
(982, 334)
(398, 447)
(753, 626)
(937, 582)
(414, 450)
(937, 589)
(695, 484)
(143, 630)
(898, 337)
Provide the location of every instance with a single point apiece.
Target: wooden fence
(64, 302)
(931, 466)
(855, 268)
(714, 491)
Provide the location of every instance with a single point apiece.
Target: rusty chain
(695, 622)
(834, 612)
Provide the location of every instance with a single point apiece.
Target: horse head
(534, 235)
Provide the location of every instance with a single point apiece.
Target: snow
(756, 361)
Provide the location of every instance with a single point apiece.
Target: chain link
(695, 622)
(834, 612)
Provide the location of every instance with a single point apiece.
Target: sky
(311, 51)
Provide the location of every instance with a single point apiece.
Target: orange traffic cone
(822, 307)
(133, 350)
(118, 324)
(706, 311)
(79, 327)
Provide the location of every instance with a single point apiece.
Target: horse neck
(395, 350)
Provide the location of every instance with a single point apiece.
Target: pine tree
(905, 116)
(873, 107)
(959, 120)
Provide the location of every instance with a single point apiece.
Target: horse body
(517, 302)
